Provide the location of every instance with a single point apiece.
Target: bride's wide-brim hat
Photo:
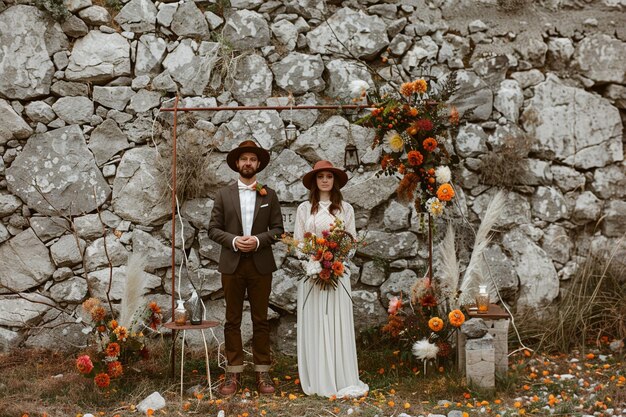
(248, 146)
(341, 178)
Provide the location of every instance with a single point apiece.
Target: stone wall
(79, 102)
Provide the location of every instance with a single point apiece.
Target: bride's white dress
(327, 361)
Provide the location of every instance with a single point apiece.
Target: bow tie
(247, 187)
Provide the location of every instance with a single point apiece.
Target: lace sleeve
(301, 214)
(349, 216)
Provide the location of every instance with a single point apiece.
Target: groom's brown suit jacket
(226, 224)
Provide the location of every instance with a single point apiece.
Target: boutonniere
(260, 188)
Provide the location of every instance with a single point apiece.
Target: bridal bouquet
(326, 254)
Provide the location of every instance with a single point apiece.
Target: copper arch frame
(171, 325)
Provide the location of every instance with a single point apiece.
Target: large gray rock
(285, 285)
(8, 340)
(284, 175)
(587, 208)
(22, 310)
(73, 291)
(158, 254)
(60, 165)
(517, 210)
(96, 257)
(12, 126)
(453, 51)
(509, 100)
(340, 73)
(498, 270)
(566, 178)
(366, 192)
(364, 36)
(549, 204)
(539, 283)
(150, 52)
(106, 140)
(601, 58)
(56, 327)
(423, 52)
(389, 246)
(532, 48)
(184, 230)
(144, 101)
(373, 273)
(474, 328)
(95, 16)
(198, 211)
(299, 73)
(29, 39)
(252, 81)
(580, 139)
(471, 141)
(49, 227)
(557, 243)
(367, 310)
(24, 263)
(610, 181)
(614, 224)
(263, 126)
(136, 192)
(67, 88)
(138, 16)
(66, 252)
(189, 22)
(308, 8)
(99, 57)
(113, 97)
(246, 29)
(328, 141)
(74, 110)
(474, 98)
(398, 284)
(397, 216)
(192, 71)
(286, 33)
(39, 111)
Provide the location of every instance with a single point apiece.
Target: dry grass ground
(44, 383)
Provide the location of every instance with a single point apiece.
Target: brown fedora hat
(340, 175)
(248, 146)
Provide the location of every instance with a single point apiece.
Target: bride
(327, 362)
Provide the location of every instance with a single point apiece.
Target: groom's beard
(247, 172)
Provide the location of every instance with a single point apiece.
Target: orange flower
(121, 333)
(430, 144)
(328, 256)
(102, 380)
(338, 268)
(445, 192)
(90, 304)
(115, 369)
(320, 241)
(435, 324)
(113, 349)
(456, 318)
(154, 307)
(415, 158)
(413, 112)
(420, 86)
(325, 274)
(406, 89)
(98, 314)
(113, 324)
(84, 364)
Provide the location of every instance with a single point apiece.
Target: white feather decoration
(472, 273)
(449, 270)
(134, 288)
(423, 349)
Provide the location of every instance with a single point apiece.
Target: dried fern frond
(134, 288)
(472, 273)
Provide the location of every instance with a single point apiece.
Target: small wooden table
(206, 324)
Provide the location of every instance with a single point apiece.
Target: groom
(246, 219)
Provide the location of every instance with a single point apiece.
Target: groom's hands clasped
(246, 243)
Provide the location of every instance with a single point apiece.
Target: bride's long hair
(335, 197)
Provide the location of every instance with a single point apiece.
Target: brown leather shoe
(264, 383)
(230, 385)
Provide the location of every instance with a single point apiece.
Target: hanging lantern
(351, 154)
(291, 133)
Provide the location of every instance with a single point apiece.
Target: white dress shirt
(247, 201)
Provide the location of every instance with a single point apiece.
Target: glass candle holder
(482, 299)
(180, 313)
